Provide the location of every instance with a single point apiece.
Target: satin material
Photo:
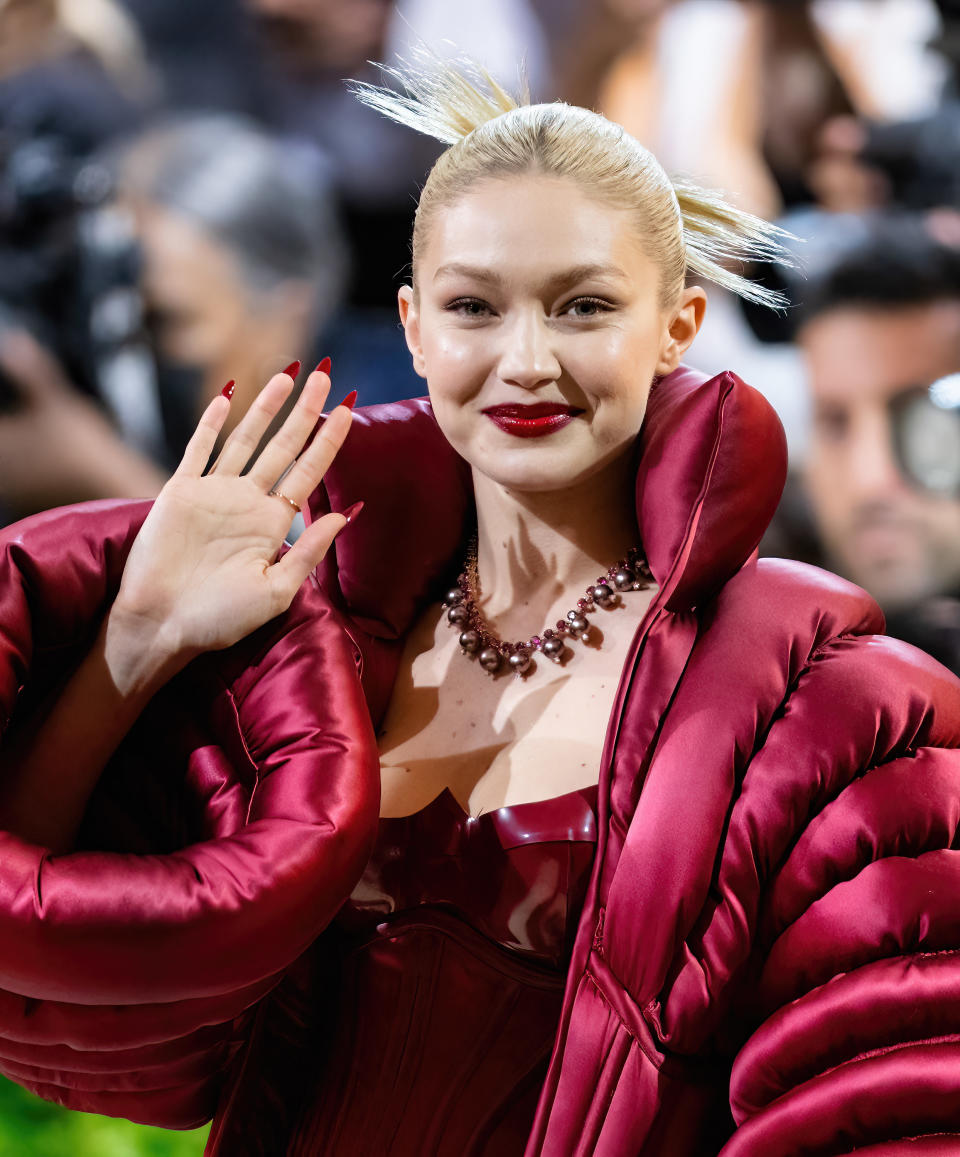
(454, 946)
(776, 831)
(207, 860)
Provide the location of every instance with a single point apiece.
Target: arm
(56, 446)
(247, 787)
(128, 981)
(80, 731)
(200, 575)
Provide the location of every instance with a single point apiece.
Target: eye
(588, 307)
(469, 307)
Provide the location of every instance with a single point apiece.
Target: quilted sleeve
(857, 987)
(221, 838)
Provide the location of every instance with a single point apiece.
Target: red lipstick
(533, 420)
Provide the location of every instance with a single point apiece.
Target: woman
(748, 945)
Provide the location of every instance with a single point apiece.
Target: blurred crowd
(189, 193)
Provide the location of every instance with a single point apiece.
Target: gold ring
(295, 505)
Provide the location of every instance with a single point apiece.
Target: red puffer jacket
(772, 923)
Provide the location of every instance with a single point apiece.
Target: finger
(286, 444)
(288, 573)
(307, 471)
(246, 435)
(204, 438)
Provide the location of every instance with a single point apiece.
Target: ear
(681, 329)
(410, 317)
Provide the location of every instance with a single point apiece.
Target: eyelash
(602, 306)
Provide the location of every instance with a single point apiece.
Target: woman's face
(533, 294)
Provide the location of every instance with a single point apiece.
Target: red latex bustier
(455, 947)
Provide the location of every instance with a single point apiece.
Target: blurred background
(188, 194)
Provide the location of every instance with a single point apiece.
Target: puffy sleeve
(221, 838)
(856, 991)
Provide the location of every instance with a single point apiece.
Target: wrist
(141, 654)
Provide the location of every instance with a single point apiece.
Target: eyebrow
(570, 276)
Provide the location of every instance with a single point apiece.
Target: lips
(532, 420)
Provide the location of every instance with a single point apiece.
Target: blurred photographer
(71, 79)
(881, 339)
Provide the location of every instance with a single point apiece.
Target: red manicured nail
(227, 390)
(349, 400)
(293, 369)
(323, 367)
(352, 511)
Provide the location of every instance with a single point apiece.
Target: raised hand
(203, 571)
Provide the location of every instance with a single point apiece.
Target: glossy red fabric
(452, 951)
(211, 852)
(515, 874)
(757, 902)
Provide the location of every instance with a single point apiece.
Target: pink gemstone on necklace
(535, 641)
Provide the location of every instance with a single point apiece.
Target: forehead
(860, 355)
(533, 224)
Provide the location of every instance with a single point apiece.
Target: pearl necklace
(478, 639)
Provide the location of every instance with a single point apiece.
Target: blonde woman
(535, 815)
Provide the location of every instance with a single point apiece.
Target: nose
(527, 356)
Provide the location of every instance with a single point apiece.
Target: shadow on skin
(427, 744)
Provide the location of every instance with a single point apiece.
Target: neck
(537, 552)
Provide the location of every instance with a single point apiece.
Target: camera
(69, 273)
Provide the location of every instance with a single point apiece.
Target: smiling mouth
(532, 420)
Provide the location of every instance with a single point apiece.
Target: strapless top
(454, 948)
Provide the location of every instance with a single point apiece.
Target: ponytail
(716, 233)
(688, 229)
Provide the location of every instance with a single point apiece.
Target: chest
(497, 742)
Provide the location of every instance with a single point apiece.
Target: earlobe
(410, 319)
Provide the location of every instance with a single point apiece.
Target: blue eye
(469, 307)
(594, 305)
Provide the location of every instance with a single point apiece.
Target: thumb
(290, 571)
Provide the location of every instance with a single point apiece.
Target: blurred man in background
(881, 338)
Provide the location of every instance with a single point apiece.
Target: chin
(534, 473)
(895, 588)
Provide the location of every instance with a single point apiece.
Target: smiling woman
(536, 815)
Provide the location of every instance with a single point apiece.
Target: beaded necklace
(478, 639)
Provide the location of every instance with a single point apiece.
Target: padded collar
(711, 467)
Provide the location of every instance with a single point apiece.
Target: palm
(203, 566)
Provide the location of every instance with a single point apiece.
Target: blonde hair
(491, 133)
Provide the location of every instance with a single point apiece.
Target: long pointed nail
(349, 400)
(227, 390)
(352, 511)
(293, 369)
(323, 366)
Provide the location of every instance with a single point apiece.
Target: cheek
(456, 362)
(620, 361)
